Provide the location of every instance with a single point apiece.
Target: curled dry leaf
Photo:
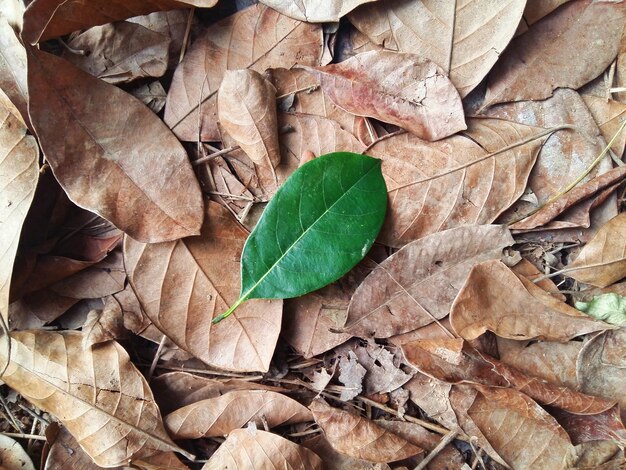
(13, 81)
(146, 186)
(250, 448)
(246, 108)
(258, 38)
(120, 52)
(603, 260)
(199, 277)
(522, 433)
(98, 394)
(19, 171)
(401, 89)
(441, 185)
(464, 39)
(495, 298)
(221, 415)
(46, 19)
(601, 369)
(13, 456)
(359, 437)
(315, 11)
(568, 48)
(417, 284)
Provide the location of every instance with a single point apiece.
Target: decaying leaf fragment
(246, 105)
(398, 88)
(97, 393)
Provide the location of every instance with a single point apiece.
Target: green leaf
(610, 308)
(318, 226)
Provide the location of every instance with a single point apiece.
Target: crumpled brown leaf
(221, 415)
(120, 52)
(315, 11)
(464, 39)
(258, 38)
(359, 437)
(417, 284)
(568, 48)
(46, 19)
(98, 394)
(603, 260)
(497, 299)
(402, 89)
(19, 172)
(200, 278)
(146, 186)
(246, 108)
(251, 448)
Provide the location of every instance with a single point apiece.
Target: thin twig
(211, 156)
(14, 422)
(477, 452)
(155, 359)
(445, 440)
(183, 48)
(19, 435)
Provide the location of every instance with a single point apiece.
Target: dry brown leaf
(13, 456)
(315, 11)
(609, 115)
(601, 369)
(151, 94)
(13, 10)
(19, 171)
(552, 210)
(146, 186)
(597, 455)
(46, 19)
(351, 375)
(519, 430)
(257, 38)
(568, 48)
(13, 81)
(38, 309)
(464, 39)
(120, 52)
(585, 428)
(221, 415)
(494, 298)
(250, 448)
(334, 460)
(359, 437)
(603, 260)
(246, 108)
(98, 394)
(398, 88)
(199, 277)
(417, 284)
(537, 9)
(453, 361)
(442, 185)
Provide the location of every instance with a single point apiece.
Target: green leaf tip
(320, 223)
(610, 308)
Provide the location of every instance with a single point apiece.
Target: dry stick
(183, 48)
(486, 157)
(14, 422)
(477, 452)
(211, 156)
(19, 435)
(445, 440)
(155, 360)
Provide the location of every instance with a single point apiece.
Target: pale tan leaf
(13, 10)
(246, 108)
(494, 298)
(146, 186)
(603, 260)
(334, 460)
(359, 437)
(568, 48)
(13, 456)
(464, 38)
(221, 415)
(442, 185)
(183, 285)
(250, 448)
(258, 38)
(315, 11)
(609, 116)
(98, 394)
(418, 284)
(13, 80)
(151, 94)
(19, 171)
(398, 88)
(46, 19)
(120, 52)
(537, 9)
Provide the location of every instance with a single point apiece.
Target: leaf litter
(146, 156)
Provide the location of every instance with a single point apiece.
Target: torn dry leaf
(257, 38)
(402, 89)
(464, 39)
(98, 394)
(146, 186)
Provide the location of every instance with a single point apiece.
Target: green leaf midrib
(326, 211)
